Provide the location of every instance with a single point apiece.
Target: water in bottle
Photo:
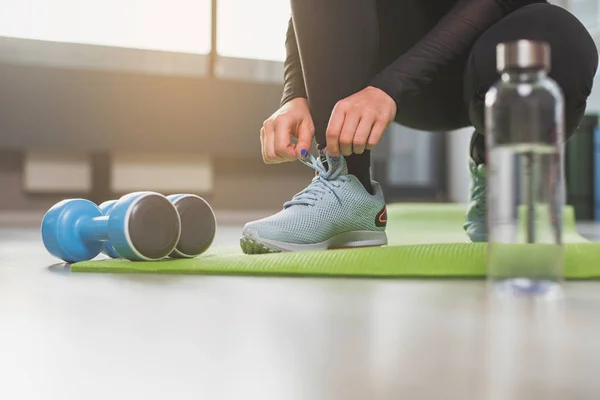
(524, 140)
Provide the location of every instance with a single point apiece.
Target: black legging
(344, 43)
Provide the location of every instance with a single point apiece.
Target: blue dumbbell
(142, 226)
(198, 226)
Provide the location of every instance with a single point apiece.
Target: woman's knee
(574, 58)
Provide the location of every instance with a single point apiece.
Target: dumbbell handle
(95, 228)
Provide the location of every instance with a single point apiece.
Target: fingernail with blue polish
(304, 153)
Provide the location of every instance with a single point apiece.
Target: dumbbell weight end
(61, 234)
(198, 225)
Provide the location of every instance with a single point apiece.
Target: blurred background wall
(102, 98)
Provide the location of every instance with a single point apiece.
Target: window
(587, 12)
(167, 25)
(252, 29)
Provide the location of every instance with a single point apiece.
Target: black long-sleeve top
(453, 35)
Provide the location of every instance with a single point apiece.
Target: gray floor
(84, 337)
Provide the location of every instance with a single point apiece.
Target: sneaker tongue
(334, 163)
(323, 160)
(338, 163)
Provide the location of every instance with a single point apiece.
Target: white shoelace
(325, 181)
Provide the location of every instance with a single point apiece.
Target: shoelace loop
(325, 181)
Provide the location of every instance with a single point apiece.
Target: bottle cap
(523, 54)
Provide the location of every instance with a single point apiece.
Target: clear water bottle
(524, 114)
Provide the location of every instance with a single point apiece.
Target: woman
(354, 66)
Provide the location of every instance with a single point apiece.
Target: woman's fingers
(376, 134)
(269, 142)
(282, 140)
(348, 133)
(334, 129)
(363, 131)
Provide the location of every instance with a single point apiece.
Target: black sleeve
(454, 34)
(293, 80)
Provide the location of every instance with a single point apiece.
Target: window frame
(141, 61)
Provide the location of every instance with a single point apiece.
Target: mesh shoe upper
(334, 202)
(476, 222)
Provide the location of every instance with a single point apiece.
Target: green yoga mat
(425, 240)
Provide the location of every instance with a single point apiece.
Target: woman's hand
(292, 119)
(357, 122)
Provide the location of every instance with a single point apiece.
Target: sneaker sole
(251, 243)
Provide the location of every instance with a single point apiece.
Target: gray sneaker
(334, 211)
(476, 222)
